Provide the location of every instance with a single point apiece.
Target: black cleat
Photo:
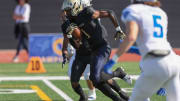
(119, 72)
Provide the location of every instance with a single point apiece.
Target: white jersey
(152, 23)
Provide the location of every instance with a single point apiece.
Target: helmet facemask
(74, 6)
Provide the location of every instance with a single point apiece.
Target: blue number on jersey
(157, 25)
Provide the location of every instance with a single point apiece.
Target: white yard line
(57, 90)
(46, 79)
(36, 78)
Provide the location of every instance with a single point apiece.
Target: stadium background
(45, 18)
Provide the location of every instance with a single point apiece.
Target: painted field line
(40, 93)
(57, 90)
(35, 78)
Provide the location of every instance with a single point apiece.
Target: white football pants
(158, 72)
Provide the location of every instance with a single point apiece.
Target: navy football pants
(99, 59)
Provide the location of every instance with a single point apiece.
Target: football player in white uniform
(92, 92)
(146, 23)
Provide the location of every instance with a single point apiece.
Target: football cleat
(91, 95)
(119, 72)
(128, 79)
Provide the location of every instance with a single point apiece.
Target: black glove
(119, 34)
(68, 27)
(65, 59)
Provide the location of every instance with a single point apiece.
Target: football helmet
(75, 6)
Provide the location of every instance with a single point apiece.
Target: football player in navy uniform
(95, 46)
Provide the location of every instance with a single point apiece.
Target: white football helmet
(74, 5)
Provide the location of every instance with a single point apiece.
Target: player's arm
(66, 40)
(65, 44)
(111, 15)
(132, 33)
(63, 16)
(106, 14)
(132, 30)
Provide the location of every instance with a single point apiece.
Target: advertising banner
(46, 46)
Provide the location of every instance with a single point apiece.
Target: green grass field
(42, 91)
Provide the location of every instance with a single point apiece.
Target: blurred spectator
(22, 28)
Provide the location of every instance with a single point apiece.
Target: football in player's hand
(77, 37)
(76, 34)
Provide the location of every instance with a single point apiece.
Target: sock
(117, 88)
(79, 91)
(106, 90)
(115, 58)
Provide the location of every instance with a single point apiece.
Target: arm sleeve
(89, 13)
(64, 26)
(129, 15)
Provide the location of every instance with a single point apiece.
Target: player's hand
(161, 92)
(119, 34)
(70, 29)
(108, 66)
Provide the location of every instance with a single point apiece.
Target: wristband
(115, 58)
(118, 28)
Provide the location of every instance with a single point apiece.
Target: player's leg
(152, 78)
(145, 87)
(173, 89)
(173, 84)
(98, 60)
(117, 88)
(92, 90)
(78, 68)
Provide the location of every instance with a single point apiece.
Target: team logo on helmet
(74, 5)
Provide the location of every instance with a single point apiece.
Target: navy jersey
(92, 29)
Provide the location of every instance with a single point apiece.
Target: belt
(159, 53)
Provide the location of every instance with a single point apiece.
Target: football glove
(161, 92)
(70, 29)
(119, 34)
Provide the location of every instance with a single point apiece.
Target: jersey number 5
(156, 33)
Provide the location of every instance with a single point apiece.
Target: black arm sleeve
(64, 26)
(86, 15)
